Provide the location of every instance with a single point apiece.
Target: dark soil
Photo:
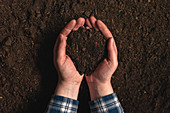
(87, 48)
(28, 30)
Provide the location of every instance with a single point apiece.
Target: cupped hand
(99, 81)
(69, 78)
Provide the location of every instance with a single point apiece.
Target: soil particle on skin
(87, 48)
(28, 31)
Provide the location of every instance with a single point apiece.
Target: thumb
(110, 49)
(61, 47)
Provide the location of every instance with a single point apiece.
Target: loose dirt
(87, 48)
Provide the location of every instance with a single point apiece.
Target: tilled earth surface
(29, 28)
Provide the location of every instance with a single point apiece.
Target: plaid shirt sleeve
(60, 104)
(106, 104)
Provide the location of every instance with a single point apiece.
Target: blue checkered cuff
(60, 104)
(107, 104)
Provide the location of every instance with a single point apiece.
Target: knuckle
(58, 61)
(116, 64)
(105, 60)
(60, 36)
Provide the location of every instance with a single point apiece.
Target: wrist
(99, 90)
(67, 90)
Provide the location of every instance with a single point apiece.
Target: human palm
(67, 72)
(107, 67)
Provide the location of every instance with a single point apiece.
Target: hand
(99, 81)
(69, 79)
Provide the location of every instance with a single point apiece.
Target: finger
(80, 22)
(112, 51)
(59, 47)
(103, 28)
(88, 23)
(106, 32)
(68, 28)
(93, 22)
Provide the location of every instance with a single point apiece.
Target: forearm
(67, 90)
(98, 90)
